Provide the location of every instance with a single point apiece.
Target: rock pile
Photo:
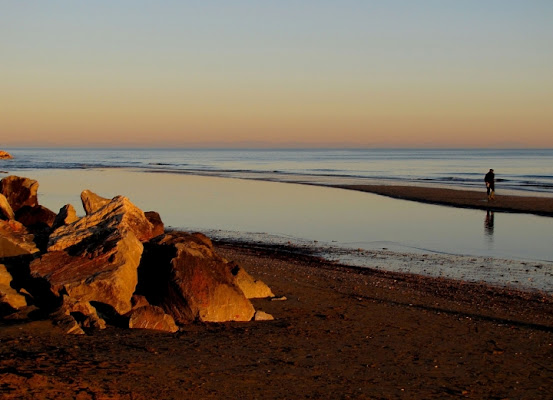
(115, 265)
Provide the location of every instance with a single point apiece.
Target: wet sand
(341, 333)
(461, 198)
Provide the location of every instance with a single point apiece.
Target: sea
(284, 197)
(517, 170)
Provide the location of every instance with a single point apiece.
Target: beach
(340, 333)
(276, 200)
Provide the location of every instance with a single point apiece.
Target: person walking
(489, 179)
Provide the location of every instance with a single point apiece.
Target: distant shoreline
(453, 197)
(542, 206)
(520, 172)
(536, 204)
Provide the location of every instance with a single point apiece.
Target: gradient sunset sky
(277, 73)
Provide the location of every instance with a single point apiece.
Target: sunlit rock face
(6, 211)
(92, 202)
(67, 215)
(118, 214)
(183, 275)
(153, 318)
(103, 271)
(15, 240)
(10, 299)
(252, 288)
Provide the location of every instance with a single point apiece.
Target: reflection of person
(488, 223)
(490, 184)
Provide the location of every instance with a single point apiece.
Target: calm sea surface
(516, 170)
(191, 190)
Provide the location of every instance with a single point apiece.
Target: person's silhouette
(489, 179)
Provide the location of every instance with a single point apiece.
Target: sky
(429, 73)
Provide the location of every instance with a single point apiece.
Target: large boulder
(37, 217)
(153, 318)
(119, 214)
(6, 211)
(4, 155)
(19, 191)
(92, 202)
(67, 215)
(15, 240)
(10, 299)
(251, 287)
(102, 269)
(182, 274)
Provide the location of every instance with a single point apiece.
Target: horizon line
(246, 147)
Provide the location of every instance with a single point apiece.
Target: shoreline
(542, 206)
(454, 196)
(292, 253)
(497, 274)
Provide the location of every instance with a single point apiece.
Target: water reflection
(342, 217)
(489, 225)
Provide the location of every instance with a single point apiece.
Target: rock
(24, 314)
(6, 211)
(152, 317)
(36, 217)
(4, 155)
(138, 301)
(15, 240)
(10, 299)
(102, 269)
(252, 288)
(67, 215)
(92, 202)
(155, 220)
(38, 220)
(118, 214)
(83, 313)
(66, 323)
(204, 239)
(19, 191)
(185, 277)
(262, 316)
